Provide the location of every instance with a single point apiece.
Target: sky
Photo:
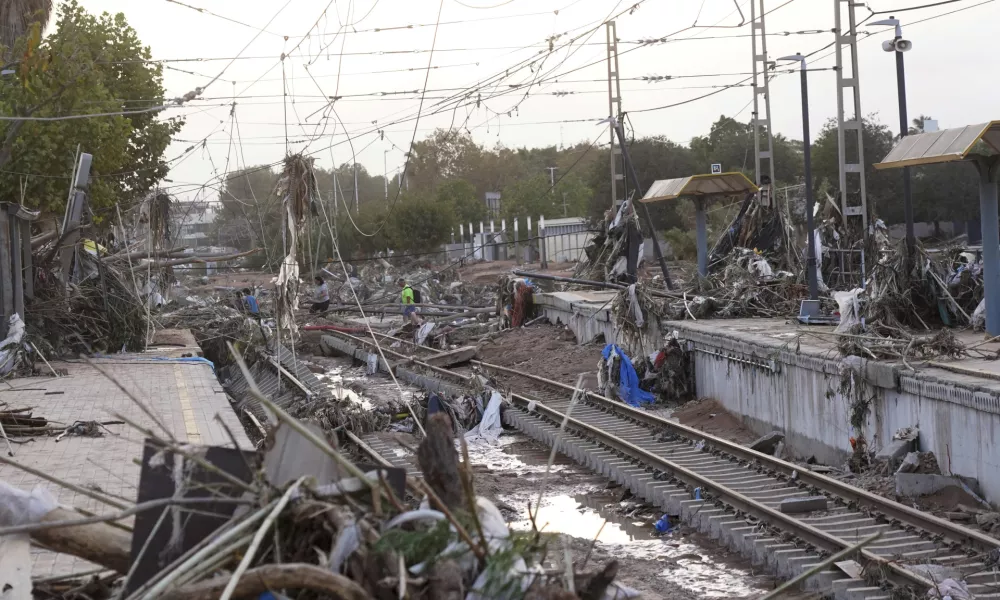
(375, 54)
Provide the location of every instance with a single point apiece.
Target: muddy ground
(584, 507)
(708, 415)
(545, 350)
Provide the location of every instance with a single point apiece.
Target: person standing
(409, 304)
(321, 303)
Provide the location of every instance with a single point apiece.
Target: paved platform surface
(185, 396)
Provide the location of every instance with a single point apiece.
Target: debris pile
(514, 301)
(99, 312)
(607, 253)
(319, 526)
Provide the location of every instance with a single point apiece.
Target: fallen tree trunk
(194, 259)
(48, 236)
(98, 543)
(258, 580)
(141, 254)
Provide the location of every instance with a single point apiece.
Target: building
(193, 224)
(493, 204)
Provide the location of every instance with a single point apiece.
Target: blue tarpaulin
(628, 381)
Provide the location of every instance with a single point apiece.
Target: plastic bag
(489, 427)
(850, 308)
(628, 380)
(18, 507)
(10, 345)
(979, 316)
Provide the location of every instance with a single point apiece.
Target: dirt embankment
(709, 416)
(544, 350)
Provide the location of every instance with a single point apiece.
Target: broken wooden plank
(452, 357)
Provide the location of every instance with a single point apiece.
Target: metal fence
(521, 240)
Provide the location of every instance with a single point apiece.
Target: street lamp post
(898, 45)
(811, 262)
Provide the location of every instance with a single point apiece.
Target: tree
(654, 158)
(250, 216)
(88, 65)
(420, 224)
(535, 197)
(918, 124)
(730, 143)
(445, 154)
(884, 187)
(17, 17)
(460, 196)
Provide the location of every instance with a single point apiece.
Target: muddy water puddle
(579, 504)
(346, 381)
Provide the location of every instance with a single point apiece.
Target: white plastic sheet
(423, 332)
(634, 306)
(979, 316)
(850, 308)
(11, 344)
(18, 507)
(761, 267)
(949, 589)
(489, 427)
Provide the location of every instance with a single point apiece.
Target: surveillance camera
(889, 46)
(903, 45)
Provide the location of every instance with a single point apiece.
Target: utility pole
(385, 174)
(848, 78)
(614, 111)
(762, 140)
(356, 203)
(552, 178)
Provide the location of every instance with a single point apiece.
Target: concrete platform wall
(588, 315)
(799, 393)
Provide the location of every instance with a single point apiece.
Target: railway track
(663, 462)
(739, 492)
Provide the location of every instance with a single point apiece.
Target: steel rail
(811, 535)
(862, 498)
(360, 443)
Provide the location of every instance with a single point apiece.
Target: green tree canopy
(420, 224)
(885, 190)
(730, 143)
(534, 197)
(460, 196)
(87, 65)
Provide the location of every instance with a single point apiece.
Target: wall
(566, 247)
(799, 394)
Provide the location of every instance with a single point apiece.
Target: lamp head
(794, 57)
(890, 22)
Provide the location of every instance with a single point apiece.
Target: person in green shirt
(409, 305)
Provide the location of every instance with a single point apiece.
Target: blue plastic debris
(697, 493)
(663, 525)
(628, 381)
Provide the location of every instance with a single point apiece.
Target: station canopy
(943, 146)
(699, 186)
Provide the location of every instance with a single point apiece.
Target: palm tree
(16, 16)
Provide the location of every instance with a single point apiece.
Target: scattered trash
(490, 427)
(663, 524)
(616, 374)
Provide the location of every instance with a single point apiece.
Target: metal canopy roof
(699, 186)
(943, 146)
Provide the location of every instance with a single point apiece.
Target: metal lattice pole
(614, 111)
(762, 137)
(848, 80)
